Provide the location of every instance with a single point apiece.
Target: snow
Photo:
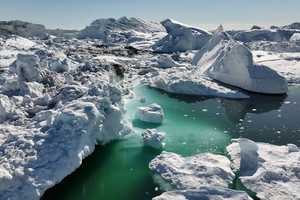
(152, 113)
(230, 62)
(181, 37)
(153, 139)
(203, 192)
(269, 170)
(200, 170)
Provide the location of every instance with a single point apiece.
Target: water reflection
(236, 110)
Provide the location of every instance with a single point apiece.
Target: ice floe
(200, 170)
(270, 171)
(152, 113)
(153, 139)
(204, 192)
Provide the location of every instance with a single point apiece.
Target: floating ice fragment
(153, 113)
(153, 138)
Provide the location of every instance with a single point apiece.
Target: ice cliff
(231, 62)
(181, 37)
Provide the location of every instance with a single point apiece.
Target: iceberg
(153, 139)
(203, 192)
(152, 113)
(228, 61)
(181, 37)
(200, 170)
(269, 170)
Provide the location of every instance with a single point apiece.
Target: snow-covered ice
(153, 139)
(204, 192)
(181, 37)
(231, 62)
(200, 170)
(152, 113)
(269, 170)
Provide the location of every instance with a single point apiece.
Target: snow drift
(230, 62)
(181, 37)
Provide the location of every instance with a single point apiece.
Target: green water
(193, 125)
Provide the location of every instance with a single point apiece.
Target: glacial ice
(153, 139)
(200, 170)
(181, 37)
(269, 170)
(123, 31)
(230, 62)
(204, 192)
(152, 113)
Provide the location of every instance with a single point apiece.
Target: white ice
(231, 62)
(204, 192)
(200, 170)
(181, 37)
(152, 113)
(153, 139)
(269, 170)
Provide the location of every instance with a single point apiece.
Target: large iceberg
(181, 37)
(204, 192)
(231, 62)
(200, 170)
(269, 170)
(122, 30)
(21, 28)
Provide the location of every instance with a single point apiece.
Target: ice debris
(153, 139)
(152, 113)
(231, 62)
(269, 170)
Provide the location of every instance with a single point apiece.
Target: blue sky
(76, 14)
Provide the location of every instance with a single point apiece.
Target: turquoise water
(193, 125)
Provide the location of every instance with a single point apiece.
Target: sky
(207, 14)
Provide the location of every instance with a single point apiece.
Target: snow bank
(181, 37)
(153, 113)
(188, 81)
(230, 62)
(153, 139)
(270, 171)
(21, 28)
(209, 193)
(196, 171)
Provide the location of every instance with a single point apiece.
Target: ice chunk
(209, 193)
(230, 62)
(153, 113)
(153, 138)
(21, 28)
(295, 37)
(274, 169)
(200, 170)
(181, 37)
(29, 68)
(5, 107)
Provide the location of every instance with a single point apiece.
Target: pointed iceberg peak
(220, 29)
